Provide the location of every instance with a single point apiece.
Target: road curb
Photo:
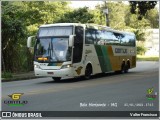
(19, 79)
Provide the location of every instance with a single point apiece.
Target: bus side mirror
(71, 39)
(30, 42)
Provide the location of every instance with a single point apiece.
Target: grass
(7, 75)
(147, 58)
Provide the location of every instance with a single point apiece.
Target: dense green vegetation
(7, 75)
(21, 19)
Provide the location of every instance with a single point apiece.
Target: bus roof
(62, 24)
(89, 25)
(97, 26)
(73, 24)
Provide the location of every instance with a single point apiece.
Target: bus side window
(101, 37)
(90, 36)
(121, 36)
(98, 36)
(128, 40)
(109, 37)
(116, 38)
(132, 40)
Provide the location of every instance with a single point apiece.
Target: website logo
(6, 114)
(15, 100)
(151, 95)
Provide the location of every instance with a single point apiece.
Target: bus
(73, 49)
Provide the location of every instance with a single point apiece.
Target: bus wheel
(118, 71)
(122, 68)
(88, 71)
(126, 68)
(56, 78)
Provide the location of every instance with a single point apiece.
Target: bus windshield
(53, 49)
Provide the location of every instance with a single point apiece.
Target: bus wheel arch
(88, 71)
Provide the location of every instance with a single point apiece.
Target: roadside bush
(141, 50)
(7, 75)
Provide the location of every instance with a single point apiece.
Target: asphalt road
(115, 92)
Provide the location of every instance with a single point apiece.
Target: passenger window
(90, 36)
(128, 40)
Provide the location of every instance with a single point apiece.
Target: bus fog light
(66, 66)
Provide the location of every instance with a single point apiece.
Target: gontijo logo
(16, 96)
(15, 100)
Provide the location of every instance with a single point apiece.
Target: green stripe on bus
(103, 58)
(100, 57)
(106, 58)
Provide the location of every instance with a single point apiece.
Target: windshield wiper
(51, 51)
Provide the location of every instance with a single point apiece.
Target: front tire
(56, 79)
(88, 72)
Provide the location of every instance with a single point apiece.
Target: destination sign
(120, 50)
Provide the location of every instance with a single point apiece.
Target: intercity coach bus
(74, 49)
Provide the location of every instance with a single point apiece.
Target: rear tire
(56, 79)
(88, 72)
(118, 71)
(126, 68)
(123, 67)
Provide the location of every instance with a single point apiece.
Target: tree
(150, 20)
(132, 21)
(43, 12)
(19, 20)
(13, 30)
(99, 17)
(81, 15)
(141, 7)
(153, 17)
(117, 11)
(140, 37)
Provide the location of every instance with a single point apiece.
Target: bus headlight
(66, 66)
(37, 66)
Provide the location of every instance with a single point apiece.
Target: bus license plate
(50, 72)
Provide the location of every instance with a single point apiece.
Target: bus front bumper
(67, 72)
